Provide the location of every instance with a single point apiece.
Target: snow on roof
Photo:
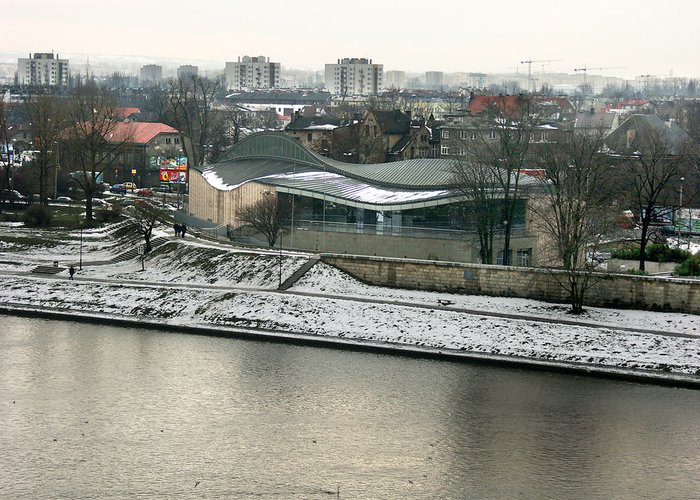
(322, 127)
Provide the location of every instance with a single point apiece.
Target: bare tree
(91, 143)
(502, 144)
(650, 169)
(5, 161)
(572, 208)
(268, 215)
(191, 105)
(145, 217)
(47, 115)
(478, 186)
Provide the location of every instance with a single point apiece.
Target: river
(90, 411)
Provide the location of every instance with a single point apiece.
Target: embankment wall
(607, 290)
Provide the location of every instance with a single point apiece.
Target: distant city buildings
(187, 71)
(252, 73)
(43, 68)
(151, 74)
(434, 80)
(394, 79)
(355, 76)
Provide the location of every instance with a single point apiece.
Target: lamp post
(55, 177)
(680, 211)
(80, 264)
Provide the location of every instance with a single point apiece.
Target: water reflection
(97, 411)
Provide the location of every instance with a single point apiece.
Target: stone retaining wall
(608, 290)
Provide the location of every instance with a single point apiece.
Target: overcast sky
(634, 36)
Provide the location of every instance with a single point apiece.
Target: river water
(106, 412)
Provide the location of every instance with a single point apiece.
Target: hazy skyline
(631, 37)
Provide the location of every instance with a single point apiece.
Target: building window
(492, 134)
(168, 140)
(445, 134)
(473, 136)
(461, 151)
(176, 140)
(308, 137)
(444, 150)
(523, 257)
(462, 134)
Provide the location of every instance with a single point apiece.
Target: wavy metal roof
(275, 159)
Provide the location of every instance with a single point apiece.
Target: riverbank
(202, 287)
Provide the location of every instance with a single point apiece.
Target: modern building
(187, 71)
(151, 75)
(355, 76)
(252, 73)
(394, 79)
(399, 209)
(43, 69)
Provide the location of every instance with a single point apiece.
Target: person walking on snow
(71, 271)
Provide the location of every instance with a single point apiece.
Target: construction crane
(585, 70)
(529, 68)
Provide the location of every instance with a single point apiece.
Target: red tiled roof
(138, 132)
(124, 113)
(508, 104)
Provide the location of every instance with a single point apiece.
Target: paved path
(373, 300)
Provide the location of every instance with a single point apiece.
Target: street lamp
(680, 211)
(55, 178)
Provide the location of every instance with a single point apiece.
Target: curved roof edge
(419, 173)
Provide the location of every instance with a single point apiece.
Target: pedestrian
(176, 227)
(183, 228)
(71, 271)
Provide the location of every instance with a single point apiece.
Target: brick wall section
(608, 290)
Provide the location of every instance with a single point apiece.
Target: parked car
(130, 186)
(100, 203)
(64, 199)
(118, 188)
(13, 194)
(144, 192)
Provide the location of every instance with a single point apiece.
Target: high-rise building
(42, 69)
(187, 71)
(151, 74)
(434, 80)
(394, 79)
(354, 76)
(252, 73)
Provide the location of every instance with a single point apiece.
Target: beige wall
(608, 290)
(388, 245)
(220, 207)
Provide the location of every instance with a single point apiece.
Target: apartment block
(252, 73)
(43, 68)
(355, 76)
(151, 74)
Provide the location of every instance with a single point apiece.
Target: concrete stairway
(134, 252)
(299, 273)
(47, 269)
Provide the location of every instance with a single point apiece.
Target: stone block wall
(607, 290)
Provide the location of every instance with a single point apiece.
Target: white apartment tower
(151, 74)
(252, 73)
(434, 80)
(354, 76)
(394, 79)
(187, 71)
(42, 69)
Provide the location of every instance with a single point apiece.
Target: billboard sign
(173, 169)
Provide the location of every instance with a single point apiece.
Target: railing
(385, 230)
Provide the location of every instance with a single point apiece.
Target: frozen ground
(196, 282)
